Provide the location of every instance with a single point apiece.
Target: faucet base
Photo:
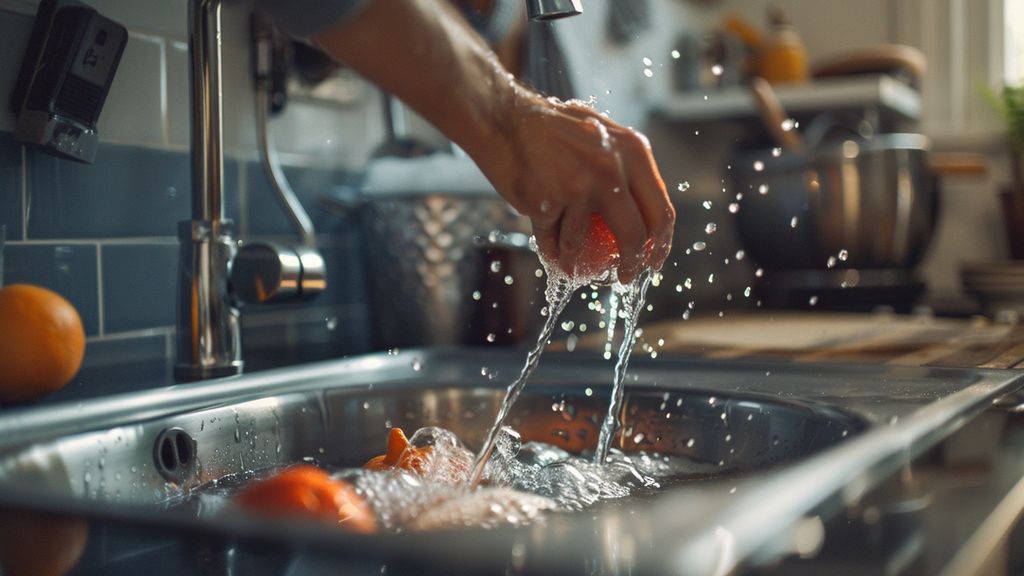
(209, 336)
(186, 373)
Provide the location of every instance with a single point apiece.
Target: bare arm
(554, 162)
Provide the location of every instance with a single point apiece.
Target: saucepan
(839, 192)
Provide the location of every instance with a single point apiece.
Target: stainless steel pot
(424, 264)
(871, 200)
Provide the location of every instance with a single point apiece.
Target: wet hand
(569, 163)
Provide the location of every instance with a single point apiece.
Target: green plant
(1010, 104)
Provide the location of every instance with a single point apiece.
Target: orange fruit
(600, 252)
(399, 454)
(308, 491)
(42, 342)
(40, 544)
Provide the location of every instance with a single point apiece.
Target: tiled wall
(104, 235)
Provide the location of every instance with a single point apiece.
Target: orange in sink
(308, 491)
(400, 454)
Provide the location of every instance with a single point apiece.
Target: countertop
(835, 337)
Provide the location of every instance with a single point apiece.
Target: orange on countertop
(306, 490)
(42, 342)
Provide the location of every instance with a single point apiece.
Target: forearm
(423, 52)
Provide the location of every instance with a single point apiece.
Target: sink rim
(853, 466)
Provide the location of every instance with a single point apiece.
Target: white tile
(178, 125)
(133, 113)
(164, 17)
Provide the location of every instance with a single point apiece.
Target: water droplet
(491, 337)
(707, 204)
(690, 443)
(331, 323)
(688, 283)
(172, 191)
(793, 222)
(759, 272)
(698, 246)
(758, 166)
(545, 205)
(776, 152)
(647, 61)
(683, 186)
(711, 278)
(740, 255)
(539, 273)
(746, 292)
(734, 207)
(648, 72)
(568, 325)
(762, 189)
(366, 405)
(417, 365)
(843, 255)
(710, 228)
(509, 280)
(788, 124)
(717, 69)
(588, 392)
(477, 295)
(675, 54)
(831, 262)
(496, 266)
(813, 300)
(638, 438)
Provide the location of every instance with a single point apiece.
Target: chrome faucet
(215, 273)
(553, 9)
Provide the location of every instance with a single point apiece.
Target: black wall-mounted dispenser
(69, 64)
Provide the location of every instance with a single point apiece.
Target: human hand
(566, 162)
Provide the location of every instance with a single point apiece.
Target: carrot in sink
(400, 454)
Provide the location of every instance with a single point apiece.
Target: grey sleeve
(304, 18)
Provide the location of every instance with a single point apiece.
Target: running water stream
(560, 289)
(632, 298)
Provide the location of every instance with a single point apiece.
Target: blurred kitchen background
(104, 235)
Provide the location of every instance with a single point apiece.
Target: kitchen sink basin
(769, 443)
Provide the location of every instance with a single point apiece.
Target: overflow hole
(174, 454)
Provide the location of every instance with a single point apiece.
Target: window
(1013, 57)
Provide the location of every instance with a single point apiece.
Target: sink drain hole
(174, 454)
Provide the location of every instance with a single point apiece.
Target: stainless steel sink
(771, 444)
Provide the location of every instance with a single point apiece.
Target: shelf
(884, 93)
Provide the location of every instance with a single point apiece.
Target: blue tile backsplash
(68, 269)
(129, 191)
(11, 213)
(138, 285)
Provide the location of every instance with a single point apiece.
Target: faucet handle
(264, 272)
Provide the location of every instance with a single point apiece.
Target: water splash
(560, 288)
(633, 297)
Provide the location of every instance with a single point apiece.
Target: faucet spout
(553, 9)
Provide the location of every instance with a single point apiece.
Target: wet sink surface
(770, 441)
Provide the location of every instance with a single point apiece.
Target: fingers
(626, 223)
(648, 189)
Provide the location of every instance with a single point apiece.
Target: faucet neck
(204, 31)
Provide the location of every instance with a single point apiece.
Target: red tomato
(600, 252)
